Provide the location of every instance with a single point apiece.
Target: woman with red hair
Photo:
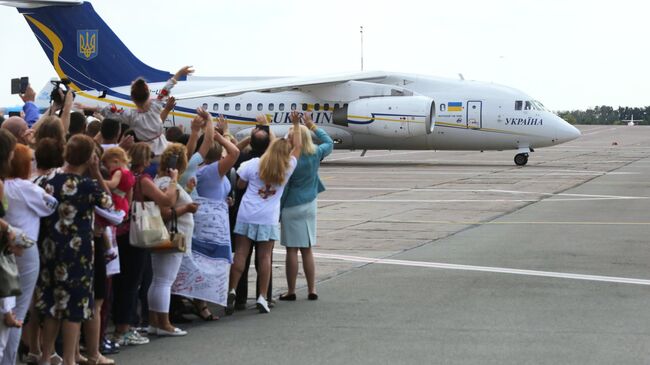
(28, 203)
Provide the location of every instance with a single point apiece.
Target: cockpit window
(539, 106)
(528, 106)
(518, 104)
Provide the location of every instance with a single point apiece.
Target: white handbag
(147, 229)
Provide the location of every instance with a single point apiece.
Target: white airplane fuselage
(487, 118)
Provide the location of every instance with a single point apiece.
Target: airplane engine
(388, 116)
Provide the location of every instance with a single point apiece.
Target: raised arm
(196, 125)
(297, 136)
(233, 152)
(68, 100)
(166, 198)
(327, 144)
(208, 133)
(169, 106)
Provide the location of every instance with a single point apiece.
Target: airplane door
(474, 114)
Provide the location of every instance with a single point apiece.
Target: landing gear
(521, 159)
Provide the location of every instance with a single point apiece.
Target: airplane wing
(38, 4)
(284, 84)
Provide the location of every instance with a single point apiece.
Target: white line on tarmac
(500, 270)
(388, 201)
(487, 191)
(373, 156)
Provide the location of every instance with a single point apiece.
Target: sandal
(201, 313)
(101, 360)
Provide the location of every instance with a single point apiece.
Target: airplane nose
(566, 132)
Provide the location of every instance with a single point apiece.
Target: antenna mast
(361, 31)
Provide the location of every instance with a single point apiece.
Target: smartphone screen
(173, 160)
(15, 86)
(24, 82)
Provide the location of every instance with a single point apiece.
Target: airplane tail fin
(82, 47)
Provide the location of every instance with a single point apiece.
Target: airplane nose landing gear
(521, 159)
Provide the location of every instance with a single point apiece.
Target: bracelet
(313, 127)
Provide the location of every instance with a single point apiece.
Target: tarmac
(447, 257)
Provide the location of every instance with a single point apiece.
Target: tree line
(607, 115)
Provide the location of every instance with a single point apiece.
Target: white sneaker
(263, 305)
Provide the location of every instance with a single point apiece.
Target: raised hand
(294, 117)
(309, 123)
(197, 124)
(222, 123)
(170, 104)
(262, 119)
(28, 95)
(184, 71)
(203, 114)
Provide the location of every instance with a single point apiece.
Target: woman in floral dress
(64, 293)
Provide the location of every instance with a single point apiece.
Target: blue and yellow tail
(84, 49)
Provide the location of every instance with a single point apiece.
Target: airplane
(630, 122)
(365, 110)
(42, 101)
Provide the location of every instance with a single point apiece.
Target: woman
(49, 160)
(28, 203)
(173, 162)
(64, 295)
(259, 213)
(213, 183)
(133, 259)
(299, 208)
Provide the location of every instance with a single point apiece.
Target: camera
(63, 84)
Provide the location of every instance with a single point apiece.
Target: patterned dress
(65, 284)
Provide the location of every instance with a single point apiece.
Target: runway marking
(373, 156)
(390, 201)
(488, 191)
(566, 223)
(498, 270)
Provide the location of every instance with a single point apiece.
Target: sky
(569, 54)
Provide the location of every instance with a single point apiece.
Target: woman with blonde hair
(299, 208)
(259, 213)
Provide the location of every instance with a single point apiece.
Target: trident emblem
(87, 44)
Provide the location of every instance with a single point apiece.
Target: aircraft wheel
(521, 159)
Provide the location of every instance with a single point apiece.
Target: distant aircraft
(367, 110)
(42, 101)
(630, 122)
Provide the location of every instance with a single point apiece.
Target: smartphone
(173, 160)
(263, 127)
(19, 86)
(14, 114)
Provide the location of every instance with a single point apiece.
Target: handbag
(176, 242)
(9, 282)
(147, 229)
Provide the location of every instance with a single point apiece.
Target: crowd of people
(69, 192)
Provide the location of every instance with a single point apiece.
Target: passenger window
(249, 106)
(518, 104)
(237, 106)
(271, 107)
(326, 107)
(260, 106)
(528, 106)
(281, 107)
(316, 107)
(443, 107)
(305, 107)
(204, 106)
(215, 106)
(293, 106)
(226, 106)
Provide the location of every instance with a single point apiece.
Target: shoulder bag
(147, 229)
(176, 243)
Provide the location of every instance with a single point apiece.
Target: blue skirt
(258, 232)
(299, 225)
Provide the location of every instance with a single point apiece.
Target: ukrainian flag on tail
(455, 106)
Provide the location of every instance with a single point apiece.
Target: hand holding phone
(19, 86)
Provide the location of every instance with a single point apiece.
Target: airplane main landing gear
(521, 159)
